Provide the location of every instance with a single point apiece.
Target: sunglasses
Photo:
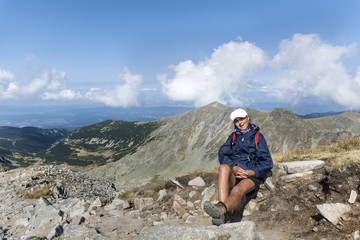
(239, 119)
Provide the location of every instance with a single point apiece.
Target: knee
(238, 191)
(224, 169)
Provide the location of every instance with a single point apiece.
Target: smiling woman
(244, 163)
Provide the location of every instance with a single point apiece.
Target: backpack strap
(256, 138)
(233, 139)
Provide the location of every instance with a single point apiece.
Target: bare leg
(237, 193)
(226, 179)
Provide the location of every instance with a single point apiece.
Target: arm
(264, 162)
(225, 151)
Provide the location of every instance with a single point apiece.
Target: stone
(97, 203)
(55, 232)
(353, 197)
(242, 230)
(178, 208)
(141, 203)
(22, 222)
(180, 200)
(110, 207)
(355, 235)
(333, 211)
(199, 182)
(297, 177)
(80, 232)
(301, 166)
(163, 216)
(162, 194)
(192, 194)
(46, 217)
(119, 202)
(116, 213)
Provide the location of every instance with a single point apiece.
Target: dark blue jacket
(243, 153)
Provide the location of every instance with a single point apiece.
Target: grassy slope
(100, 143)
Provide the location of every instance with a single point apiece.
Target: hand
(241, 173)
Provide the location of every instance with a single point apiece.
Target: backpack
(269, 174)
(256, 138)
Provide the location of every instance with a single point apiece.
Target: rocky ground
(308, 201)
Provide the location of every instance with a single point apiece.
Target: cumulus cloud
(218, 78)
(6, 75)
(309, 67)
(52, 85)
(124, 95)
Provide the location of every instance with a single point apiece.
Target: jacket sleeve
(225, 151)
(264, 162)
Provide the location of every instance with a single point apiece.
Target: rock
(192, 194)
(45, 218)
(77, 232)
(190, 219)
(140, 203)
(55, 232)
(355, 235)
(241, 231)
(199, 182)
(97, 203)
(116, 213)
(22, 222)
(122, 203)
(180, 200)
(301, 166)
(178, 208)
(110, 207)
(333, 211)
(297, 177)
(353, 197)
(163, 215)
(162, 194)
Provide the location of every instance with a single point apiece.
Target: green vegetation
(101, 142)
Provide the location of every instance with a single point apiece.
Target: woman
(244, 162)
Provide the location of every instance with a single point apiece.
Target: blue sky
(301, 55)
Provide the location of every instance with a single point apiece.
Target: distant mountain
(318, 115)
(73, 117)
(18, 143)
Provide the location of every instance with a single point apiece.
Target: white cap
(238, 113)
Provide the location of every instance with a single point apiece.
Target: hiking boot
(216, 211)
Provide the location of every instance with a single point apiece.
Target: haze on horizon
(298, 55)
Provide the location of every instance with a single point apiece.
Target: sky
(301, 55)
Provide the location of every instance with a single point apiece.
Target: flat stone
(297, 176)
(241, 230)
(333, 211)
(301, 166)
(199, 182)
(353, 197)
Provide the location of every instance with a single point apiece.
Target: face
(242, 123)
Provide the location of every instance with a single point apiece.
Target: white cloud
(218, 78)
(6, 75)
(63, 95)
(309, 67)
(125, 95)
(8, 88)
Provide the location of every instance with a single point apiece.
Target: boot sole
(211, 210)
(218, 221)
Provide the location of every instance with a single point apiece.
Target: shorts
(256, 181)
